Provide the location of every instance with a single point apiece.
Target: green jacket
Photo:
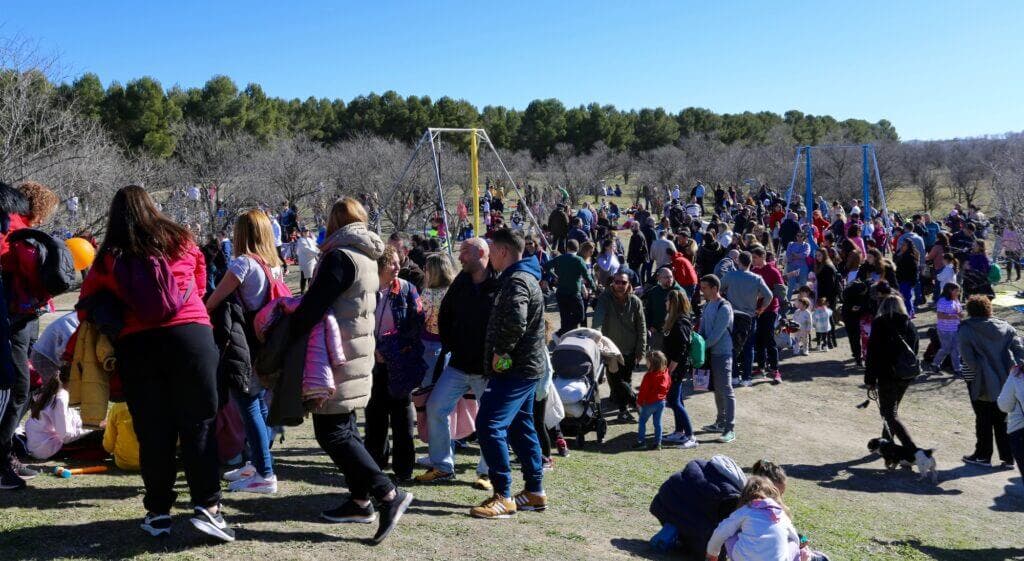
(624, 323)
(654, 303)
(571, 272)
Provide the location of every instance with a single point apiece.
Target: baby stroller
(578, 372)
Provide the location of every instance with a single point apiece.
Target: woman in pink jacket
(168, 364)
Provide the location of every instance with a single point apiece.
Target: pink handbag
(461, 422)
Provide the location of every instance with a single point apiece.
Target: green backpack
(995, 274)
(698, 347)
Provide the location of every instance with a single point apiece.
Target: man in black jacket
(462, 325)
(516, 358)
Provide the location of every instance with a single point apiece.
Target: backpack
(56, 265)
(995, 274)
(156, 296)
(698, 348)
(276, 287)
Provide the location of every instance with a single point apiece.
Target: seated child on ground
(54, 428)
(759, 529)
(119, 437)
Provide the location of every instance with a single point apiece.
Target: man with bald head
(462, 324)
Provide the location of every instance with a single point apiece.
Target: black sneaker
(974, 460)
(212, 524)
(1006, 464)
(390, 513)
(10, 480)
(350, 513)
(22, 470)
(157, 524)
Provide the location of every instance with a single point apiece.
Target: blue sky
(935, 69)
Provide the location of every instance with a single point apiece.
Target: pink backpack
(278, 288)
(155, 295)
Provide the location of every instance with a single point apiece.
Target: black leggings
(890, 393)
(852, 323)
(170, 383)
(621, 384)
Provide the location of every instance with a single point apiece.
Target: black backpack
(56, 267)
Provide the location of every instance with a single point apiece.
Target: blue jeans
(506, 414)
(451, 385)
(654, 410)
(905, 290)
(675, 402)
(431, 354)
(746, 358)
(253, 410)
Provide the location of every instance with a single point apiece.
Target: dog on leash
(896, 455)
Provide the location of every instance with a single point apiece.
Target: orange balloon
(82, 252)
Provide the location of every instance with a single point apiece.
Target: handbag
(906, 366)
(701, 379)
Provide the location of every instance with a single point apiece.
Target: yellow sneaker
(494, 507)
(530, 501)
(483, 482)
(433, 475)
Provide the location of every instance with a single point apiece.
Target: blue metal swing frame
(868, 159)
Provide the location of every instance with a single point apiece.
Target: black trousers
(890, 393)
(385, 412)
(989, 422)
(542, 431)
(571, 312)
(621, 384)
(338, 435)
(852, 323)
(170, 383)
(23, 331)
(1016, 439)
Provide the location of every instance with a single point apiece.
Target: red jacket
(189, 268)
(654, 387)
(17, 223)
(683, 271)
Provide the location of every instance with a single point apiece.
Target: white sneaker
(746, 383)
(244, 472)
(424, 461)
(689, 443)
(256, 483)
(735, 382)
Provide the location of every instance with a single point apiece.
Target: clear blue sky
(936, 69)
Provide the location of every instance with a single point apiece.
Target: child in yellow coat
(119, 437)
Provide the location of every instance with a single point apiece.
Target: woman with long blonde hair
(251, 271)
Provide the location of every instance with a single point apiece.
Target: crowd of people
(185, 340)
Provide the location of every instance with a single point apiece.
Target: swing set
(868, 160)
(476, 136)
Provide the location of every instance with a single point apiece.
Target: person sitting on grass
(692, 502)
(651, 399)
(759, 530)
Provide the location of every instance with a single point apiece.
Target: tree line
(242, 149)
(142, 115)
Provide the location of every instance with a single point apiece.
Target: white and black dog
(896, 455)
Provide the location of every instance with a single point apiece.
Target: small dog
(896, 455)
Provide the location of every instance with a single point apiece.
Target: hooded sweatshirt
(762, 532)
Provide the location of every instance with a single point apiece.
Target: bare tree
(661, 167)
(220, 164)
(293, 167)
(580, 174)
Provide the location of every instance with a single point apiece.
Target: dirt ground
(841, 497)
